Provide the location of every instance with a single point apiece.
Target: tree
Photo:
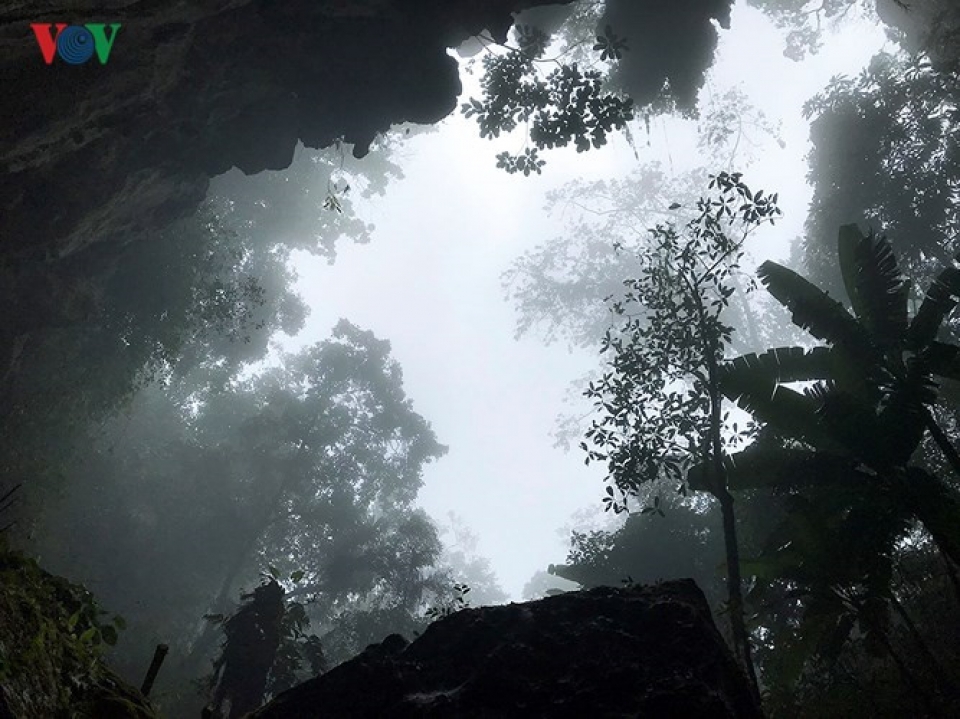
(921, 27)
(266, 648)
(558, 288)
(653, 54)
(868, 411)
(893, 127)
(660, 400)
(843, 447)
(925, 27)
(465, 567)
(204, 295)
(649, 548)
(804, 20)
(196, 293)
(312, 466)
(314, 203)
(253, 635)
(568, 105)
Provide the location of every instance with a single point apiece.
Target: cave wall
(51, 659)
(97, 155)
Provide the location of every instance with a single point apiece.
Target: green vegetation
(52, 634)
(806, 475)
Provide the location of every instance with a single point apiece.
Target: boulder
(640, 651)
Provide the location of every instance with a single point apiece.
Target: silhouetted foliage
(566, 106)
(310, 467)
(804, 20)
(886, 152)
(249, 651)
(680, 542)
(654, 425)
(660, 400)
(841, 452)
(559, 287)
(867, 410)
(204, 296)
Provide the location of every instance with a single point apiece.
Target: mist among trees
(782, 429)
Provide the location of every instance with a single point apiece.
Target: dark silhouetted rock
(91, 152)
(636, 652)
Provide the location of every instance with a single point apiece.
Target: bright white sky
(429, 281)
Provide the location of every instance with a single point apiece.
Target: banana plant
(841, 448)
(862, 417)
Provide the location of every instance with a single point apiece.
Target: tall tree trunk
(741, 636)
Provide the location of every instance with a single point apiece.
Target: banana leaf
(877, 290)
(938, 303)
(815, 311)
(902, 420)
(781, 364)
(790, 413)
(936, 505)
(943, 359)
(795, 364)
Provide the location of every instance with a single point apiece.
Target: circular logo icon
(75, 44)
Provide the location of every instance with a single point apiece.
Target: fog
(430, 282)
(370, 392)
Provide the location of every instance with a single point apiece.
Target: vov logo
(75, 44)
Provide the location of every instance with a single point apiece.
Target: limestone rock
(94, 151)
(635, 652)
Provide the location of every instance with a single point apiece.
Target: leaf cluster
(655, 397)
(54, 634)
(840, 451)
(568, 105)
(804, 20)
(610, 45)
(452, 605)
(872, 383)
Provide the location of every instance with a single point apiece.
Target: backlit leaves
(654, 400)
(566, 106)
(532, 41)
(609, 45)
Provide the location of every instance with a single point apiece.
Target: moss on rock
(51, 640)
